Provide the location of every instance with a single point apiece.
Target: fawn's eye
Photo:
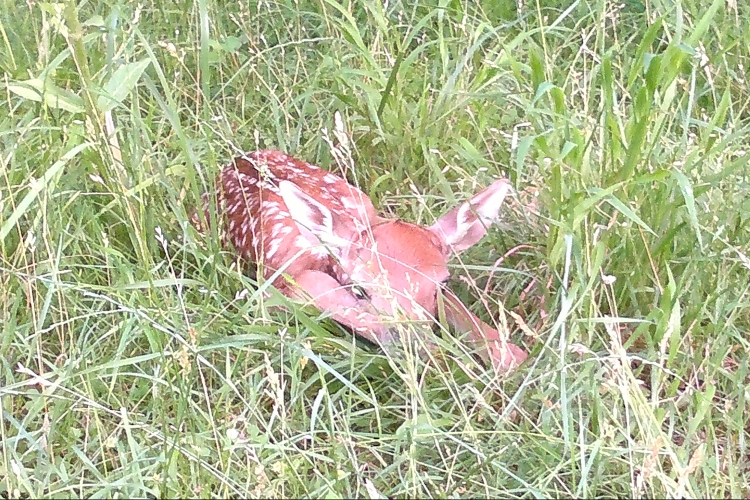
(359, 292)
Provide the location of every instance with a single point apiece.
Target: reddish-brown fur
(371, 273)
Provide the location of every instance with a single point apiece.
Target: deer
(320, 238)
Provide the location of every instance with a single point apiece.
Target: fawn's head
(388, 270)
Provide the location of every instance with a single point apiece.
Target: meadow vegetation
(137, 359)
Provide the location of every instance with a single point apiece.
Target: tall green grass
(138, 360)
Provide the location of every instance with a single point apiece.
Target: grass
(135, 360)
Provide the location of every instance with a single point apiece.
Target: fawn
(370, 273)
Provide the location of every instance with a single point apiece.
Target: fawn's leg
(503, 355)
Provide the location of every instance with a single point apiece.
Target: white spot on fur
(269, 186)
(301, 242)
(316, 250)
(273, 248)
(350, 203)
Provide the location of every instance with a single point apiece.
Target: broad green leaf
(26, 90)
(558, 98)
(468, 152)
(653, 72)
(713, 131)
(567, 148)
(704, 23)
(537, 68)
(657, 176)
(231, 44)
(643, 52)
(121, 83)
(524, 145)
(675, 331)
(687, 192)
(607, 78)
(542, 89)
(95, 20)
(627, 212)
(704, 402)
(580, 210)
(37, 187)
(634, 152)
(50, 94)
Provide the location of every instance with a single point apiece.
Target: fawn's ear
(466, 224)
(314, 220)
